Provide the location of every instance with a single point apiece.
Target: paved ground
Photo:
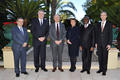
(8, 74)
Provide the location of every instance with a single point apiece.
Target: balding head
(56, 18)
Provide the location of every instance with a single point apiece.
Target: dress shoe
(82, 70)
(54, 69)
(37, 69)
(99, 71)
(72, 69)
(26, 73)
(17, 75)
(44, 69)
(104, 73)
(88, 72)
(61, 69)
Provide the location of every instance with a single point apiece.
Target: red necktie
(57, 32)
(102, 26)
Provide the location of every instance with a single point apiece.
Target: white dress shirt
(103, 23)
(58, 26)
(41, 21)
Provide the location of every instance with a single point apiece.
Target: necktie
(21, 29)
(102, 26)
(57, 32)
(41, 22)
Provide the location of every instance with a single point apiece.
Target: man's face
(20, 22)
(103, 16)
(86, 20)
(41, 14)
(56, 18)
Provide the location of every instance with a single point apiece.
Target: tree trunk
(53, 9)
(48, 6)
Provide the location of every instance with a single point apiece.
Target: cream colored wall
(113, 62)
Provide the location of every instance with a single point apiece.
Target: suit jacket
(19, 38)
(73, 34)
(38, 30)
(88, 38)
(53, 34)
(103, 38)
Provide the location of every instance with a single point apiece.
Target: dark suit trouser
(39, 51)
(73, 62)
(102, 58)
(19, 54)
(86, 59)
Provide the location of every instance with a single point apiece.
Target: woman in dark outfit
(73, 40)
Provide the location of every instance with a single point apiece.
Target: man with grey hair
(103, 32)
(40, 30)
(57, 35)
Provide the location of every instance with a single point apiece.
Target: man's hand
(41, 39)
(25, 44)
(108, 47)
(91, 49)
(58, 42)
(68, 41)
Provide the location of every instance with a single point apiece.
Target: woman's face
(73, 22)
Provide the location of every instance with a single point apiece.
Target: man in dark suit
(20, 38)
(87, 45)
(103, 34)
(40, 30)
(57, 35)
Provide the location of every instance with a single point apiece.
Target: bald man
(57, 35)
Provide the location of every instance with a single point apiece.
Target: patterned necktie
(57, 32)
(21, 29)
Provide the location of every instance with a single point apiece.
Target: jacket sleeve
(47, 30)
(64, 32)
(27, 36)
(33, 29)
(110, 34)
(93, 37)
(51, 33)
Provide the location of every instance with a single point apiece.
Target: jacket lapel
(105, 26)
(19, 32)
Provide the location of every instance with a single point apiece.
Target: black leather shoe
(104, 73)
(54, 69)
(82, 71)
(37, 69)
(99, 71)
(26, 73)
(17, 75)
(44, 69)
(72, 69)
(88, 72)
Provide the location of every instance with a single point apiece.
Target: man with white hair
(57, 35)
(103, 39)
(40, 30)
